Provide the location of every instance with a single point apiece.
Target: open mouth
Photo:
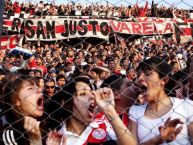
(91, 108)
(40, 103)
(142, 88)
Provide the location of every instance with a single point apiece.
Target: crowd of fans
(112, 93)
(56, 66)
(92, 9)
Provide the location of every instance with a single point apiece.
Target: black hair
(37, 70)
(182, 76)
(173, 63)
(38, 78)
(86, 67)
(114, 82)
(97, 70)
(62, 101)
(49, 80)
(162, 68)
(30, 70)
(132, 56)
(157, 64)
(109, 59)
(60, 76)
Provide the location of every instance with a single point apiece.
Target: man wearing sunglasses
(48, 92)
(49, 88)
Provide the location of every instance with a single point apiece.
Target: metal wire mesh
(96, 72)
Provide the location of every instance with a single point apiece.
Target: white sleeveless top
(148, 128)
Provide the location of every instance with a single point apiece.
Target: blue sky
(185, 4)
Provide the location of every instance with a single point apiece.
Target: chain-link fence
(96, 72)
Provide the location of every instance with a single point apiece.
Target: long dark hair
(162, 68)
(61, 106)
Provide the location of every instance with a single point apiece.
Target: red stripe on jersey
(98, 135)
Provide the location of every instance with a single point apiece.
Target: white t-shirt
(148, 128)
(96, 131)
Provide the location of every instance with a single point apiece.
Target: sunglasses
(49, 87)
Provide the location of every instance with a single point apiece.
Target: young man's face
(61, 82)
(49, 88)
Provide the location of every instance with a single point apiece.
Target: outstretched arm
(146, 6)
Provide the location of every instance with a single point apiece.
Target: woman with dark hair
(147, 121)
(77, 106)
(125, 94)
(22, 106)
(81, 122)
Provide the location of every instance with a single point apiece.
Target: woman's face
(151, 85)
(30, 100)
(84, 104)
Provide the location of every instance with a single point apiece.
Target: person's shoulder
(181, 102)
(137, 111)
(178, 100)
(138, 107)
